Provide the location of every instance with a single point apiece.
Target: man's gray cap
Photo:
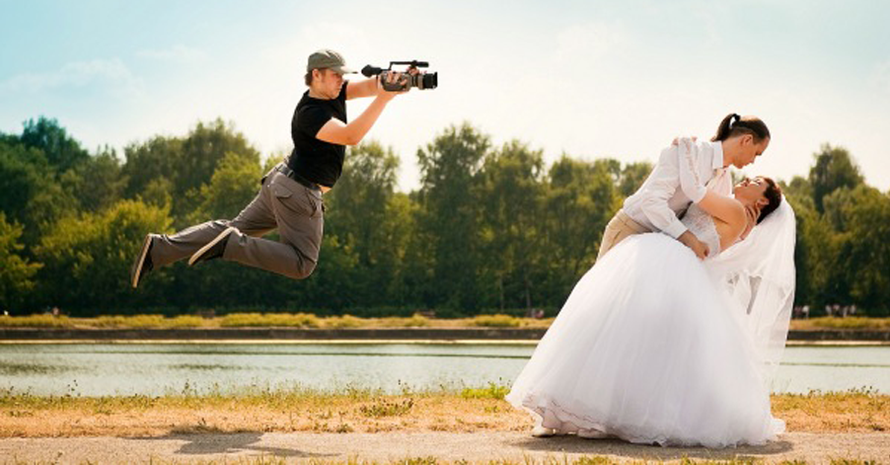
(326, 58)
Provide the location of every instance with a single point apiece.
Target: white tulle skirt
(647, 349)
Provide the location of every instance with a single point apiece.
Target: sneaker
(214, 248)
(143, 263)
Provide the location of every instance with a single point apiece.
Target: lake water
(154, 369)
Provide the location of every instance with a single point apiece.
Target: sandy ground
(390, 447)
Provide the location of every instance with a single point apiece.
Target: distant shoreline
(360, 335)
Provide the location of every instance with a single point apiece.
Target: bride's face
(750, 191)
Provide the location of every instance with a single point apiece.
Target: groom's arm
(662, 185)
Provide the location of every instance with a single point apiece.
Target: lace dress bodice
(702, 225)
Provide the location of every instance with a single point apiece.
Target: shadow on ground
(576, 445)
(229, 443)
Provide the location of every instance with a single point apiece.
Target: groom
(659, 203)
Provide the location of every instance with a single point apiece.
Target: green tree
(97, 182)
(581, 199)
(29, 191)
(48, 136)
(834, 169)
(187, 163)
(511, 194)
(16, 272)
(799, 194)
(357, 215)
(87, 259)
(448, 220)
(861, 224)
(632, 177)
(234, 183)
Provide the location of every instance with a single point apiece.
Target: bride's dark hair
(734, 124)
(773, 194)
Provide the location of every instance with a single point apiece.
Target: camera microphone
(369, 70)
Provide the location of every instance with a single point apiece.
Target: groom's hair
(773, 194)
(734, 125)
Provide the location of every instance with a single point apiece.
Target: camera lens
(430, 81)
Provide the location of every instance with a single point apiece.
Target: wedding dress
(654, 346)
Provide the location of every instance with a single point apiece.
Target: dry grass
(23, 415)
(306, 320)
(254, 320)
(35, 321)
(852, 322)
(857, 410)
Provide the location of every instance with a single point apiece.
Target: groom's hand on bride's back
(677, 140)
(690, 240)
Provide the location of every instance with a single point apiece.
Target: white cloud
(176, 54)
(112, 73)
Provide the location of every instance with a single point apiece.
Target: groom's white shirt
(659, 202)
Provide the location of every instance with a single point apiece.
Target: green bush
(345, 321)
(301, 320)
(492, 391)
(853, 322)
(135, 321)
(496, 321)
(35, 321)
(184, 321)
(416, 321)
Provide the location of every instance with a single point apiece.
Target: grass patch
(387, 408)
(496, 321)
(254, 320)
(308, 320)
(35, 321)
(299, 320)
(357, 410)
(135, 321)
(415, 321)
(492, 391)
(851, 322)
(185, 321)
(345, 321)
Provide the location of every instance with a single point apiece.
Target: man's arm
(654, 205)
(663, 184)
(725, 208)
(366, 88)
(337, 132)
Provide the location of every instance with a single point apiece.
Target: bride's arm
(727, 209)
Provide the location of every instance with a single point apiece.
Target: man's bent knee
(303, 269)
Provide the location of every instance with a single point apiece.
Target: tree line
(490, 228)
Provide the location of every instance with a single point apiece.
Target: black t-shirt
(316, 160)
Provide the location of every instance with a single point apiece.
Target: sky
(589, 79)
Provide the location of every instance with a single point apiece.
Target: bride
(655, 346)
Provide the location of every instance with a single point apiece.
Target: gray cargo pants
(295, 210)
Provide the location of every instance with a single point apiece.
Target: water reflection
(154, 369)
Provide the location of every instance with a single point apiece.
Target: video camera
(406, 80)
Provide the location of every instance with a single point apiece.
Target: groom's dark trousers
(294, 209)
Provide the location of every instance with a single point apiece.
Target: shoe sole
(137, 273)
(197, 255)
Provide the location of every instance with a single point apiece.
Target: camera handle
(392, 87)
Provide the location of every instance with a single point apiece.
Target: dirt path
(387, 447)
